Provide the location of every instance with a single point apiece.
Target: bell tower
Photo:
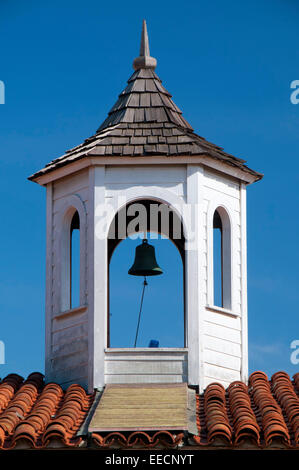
(146, 153)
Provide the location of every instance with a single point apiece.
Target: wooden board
(146, 407)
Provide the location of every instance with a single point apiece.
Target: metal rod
(139, 316)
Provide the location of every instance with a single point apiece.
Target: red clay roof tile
(243, 418)
(261, 415)
(138, 439)
(272, 421)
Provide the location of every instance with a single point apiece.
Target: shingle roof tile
(144, 109)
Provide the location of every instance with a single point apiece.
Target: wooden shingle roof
(145, 100)
(145, 121)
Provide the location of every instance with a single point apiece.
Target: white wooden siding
(159, 175)
(222, 346)
(217, 341)
(214, 373)
(67, 353)
(70, 185)
(119, 179)
(70, 347)
(143, 365)
(222, 333)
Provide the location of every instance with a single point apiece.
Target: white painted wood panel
(203, 273)
(218, 331)
(98, 279)
(75, 345)
(69, 361)
(60, 205)
(217, 373)
(49, 277)
(110, 379)
(216, 198)
(193, 268)
(162, 174)
(69, 321)
(222, 360)
(221, 183)
(146, 354)
(71, 184)
(118, 189)
(70, 374)
(209, 380)
(77, 331)
(237, 297)
(165, 364)
(219, 318)
(221, 345)
(243, 306)
(145, 367)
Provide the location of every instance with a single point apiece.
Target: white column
(97, 282)
(193, 273)
(244, 321)
(49, 278)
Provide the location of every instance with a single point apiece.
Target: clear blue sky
(229, 66)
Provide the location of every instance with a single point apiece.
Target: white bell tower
(146, 151)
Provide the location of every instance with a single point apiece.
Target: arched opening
(162, 322)
(70, 260)
(218, 261)
(75, 261)
(222, 258)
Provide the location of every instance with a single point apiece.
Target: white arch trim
(228, 224)
(70, 205)
(161, 195)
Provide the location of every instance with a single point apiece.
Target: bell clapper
(139, 316)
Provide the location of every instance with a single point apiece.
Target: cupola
(145, 158)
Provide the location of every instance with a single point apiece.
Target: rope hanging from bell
(145, 264)
(139, 316)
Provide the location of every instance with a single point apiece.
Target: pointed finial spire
(144, 45)
(144, 61)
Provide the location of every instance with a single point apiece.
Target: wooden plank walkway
(146, 407)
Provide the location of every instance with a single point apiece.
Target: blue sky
(229, 66)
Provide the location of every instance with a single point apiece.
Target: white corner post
(194, 221)
(97, 280)
(244, 305)
(49, 278)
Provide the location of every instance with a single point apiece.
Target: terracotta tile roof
(33, 414)
(264, 414)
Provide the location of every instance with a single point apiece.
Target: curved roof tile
(272, 420)
(261, 415)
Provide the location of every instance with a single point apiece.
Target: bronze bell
(145, 263)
